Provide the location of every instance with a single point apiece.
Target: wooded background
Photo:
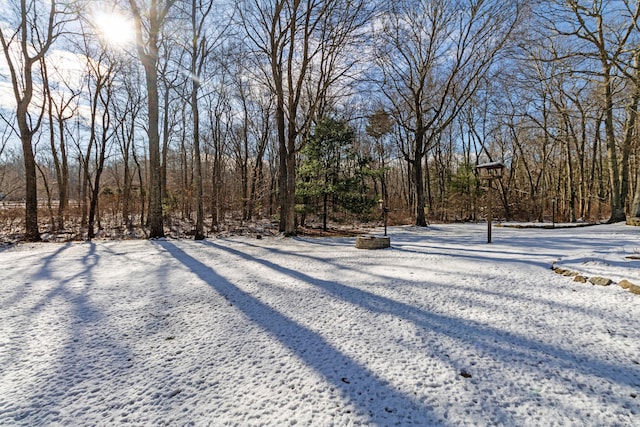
(312, 113)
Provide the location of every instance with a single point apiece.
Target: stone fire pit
(373, 242)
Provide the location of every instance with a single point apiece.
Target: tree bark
(615, 198)
(148, 54)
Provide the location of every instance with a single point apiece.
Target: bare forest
(153, 118)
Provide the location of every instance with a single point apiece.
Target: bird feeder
(489, 172)
(385, 212)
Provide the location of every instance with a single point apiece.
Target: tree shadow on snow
(70, 345)
(502, 345)
(382, 404)
(475, 294)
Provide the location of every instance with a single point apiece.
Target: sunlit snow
(442, 329)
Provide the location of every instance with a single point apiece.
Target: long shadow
(428, 242)
(43, 271)
(472, 246)
(468, 254)
(390, 407)
(558, 241)
(548, 243)
(70, 350)
(89, 261)
(473, 292)
(463, 330)
(526, 259)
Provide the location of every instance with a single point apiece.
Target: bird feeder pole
(489, 172)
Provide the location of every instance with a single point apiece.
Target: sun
(114, 28)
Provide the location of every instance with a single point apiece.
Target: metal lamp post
(489, 172)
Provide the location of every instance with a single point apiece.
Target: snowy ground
(439, 330)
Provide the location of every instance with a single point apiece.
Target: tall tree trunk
(164, 151)
(418, 156)
(32, 233)
(95, 193)
(615, 200)
(421, 200)
(290, 197)
(126, 191)
(629, 133)
(155, 223)
(282, 169)
(199, 232)
(63, 184)
(84, 184)
(142, 182)
(148, 54)
(45, 184)
(257, 170)
(570, 181)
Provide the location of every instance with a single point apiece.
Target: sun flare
(114, 28)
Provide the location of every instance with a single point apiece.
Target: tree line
(305, 110)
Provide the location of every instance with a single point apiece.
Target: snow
(277, 332)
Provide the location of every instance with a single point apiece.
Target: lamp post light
(489, 172)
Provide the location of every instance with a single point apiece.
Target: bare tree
(200, 49)
(149, 22)
(632, 71)
(219, 124)
(204, 41)
(62, 105)
(258, 113)
(126, 109)
(297, 42)
(102, 66)
(602, 33)
(37, 26)
(433, 56)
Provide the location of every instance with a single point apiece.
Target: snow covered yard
(439, 330)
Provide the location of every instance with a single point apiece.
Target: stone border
(600, 281)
